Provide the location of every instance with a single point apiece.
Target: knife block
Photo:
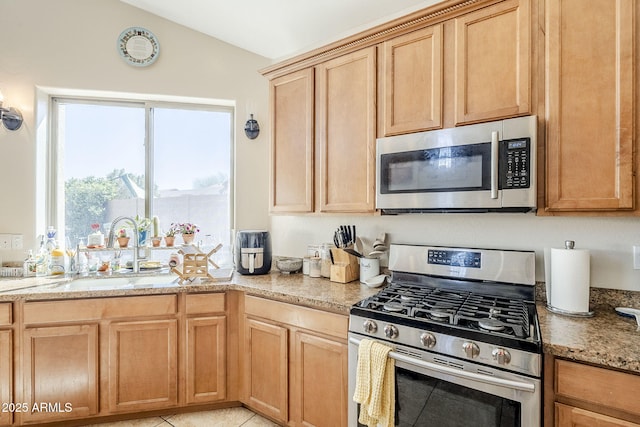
(345, 267)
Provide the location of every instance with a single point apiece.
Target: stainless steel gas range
(463, 327)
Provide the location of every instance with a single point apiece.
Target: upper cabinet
(492, 62)
(590, 66)
(411, 81)
(346, 132)
(292, 133)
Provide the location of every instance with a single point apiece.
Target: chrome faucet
(136, 267)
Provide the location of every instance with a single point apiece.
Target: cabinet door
(492, 62)
(143, 365)
(590, 66)
(569, 416)
(6, 375)
(60, 372)
(292, 119)
(206, 359)
(346, 132)
(412, 85)
(266, 368)
(319, 389)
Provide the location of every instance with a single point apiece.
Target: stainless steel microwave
(486, 167)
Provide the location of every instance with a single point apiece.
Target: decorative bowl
(289, 265)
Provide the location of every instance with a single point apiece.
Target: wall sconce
(11, 118)
(251, 128)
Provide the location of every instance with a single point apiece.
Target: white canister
(315, 266)
(369, 267)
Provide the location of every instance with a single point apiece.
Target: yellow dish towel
(375, 387)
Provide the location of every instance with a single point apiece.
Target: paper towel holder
(568, 244)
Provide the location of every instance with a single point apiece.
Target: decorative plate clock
(138, 46)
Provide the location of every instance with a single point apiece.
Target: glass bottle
(29, 267)
(42, 259)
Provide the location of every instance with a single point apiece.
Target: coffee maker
(253, 252)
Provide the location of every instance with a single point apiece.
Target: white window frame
(49, 155)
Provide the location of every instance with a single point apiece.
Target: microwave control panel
(516, 160)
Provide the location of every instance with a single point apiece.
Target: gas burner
(439, 315)
(494, 311)
(490, 324)
(393, 306)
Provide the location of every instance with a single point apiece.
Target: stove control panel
(454, 258)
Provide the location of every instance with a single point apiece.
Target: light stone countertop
(606, 339)
(292, 288)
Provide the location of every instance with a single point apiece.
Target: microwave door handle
(494, 164)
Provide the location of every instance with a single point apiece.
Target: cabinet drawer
(333, 324)
(99, 308)
(205, 303)
(5, 314)
(600, 386)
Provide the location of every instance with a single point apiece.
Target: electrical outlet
(5, 241)
(636, 257)
(16, 241)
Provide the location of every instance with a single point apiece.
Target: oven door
(434, 390)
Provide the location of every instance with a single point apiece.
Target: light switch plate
(5, 241)
(16, 241)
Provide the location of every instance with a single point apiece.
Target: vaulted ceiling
(278, 29)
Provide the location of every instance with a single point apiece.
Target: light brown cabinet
(143, 365)
(60, 372)
(6, 362)
(583, 395)
(591, 60)
(412, 82)
(323, 136)
(493, 62)
(292, 142)
(346, 132)
(320, 370)
(206, 348)
(295, 363)
(266, 368)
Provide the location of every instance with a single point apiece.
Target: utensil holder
(345, 267)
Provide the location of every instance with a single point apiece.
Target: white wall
(71, 45)
(609, 240)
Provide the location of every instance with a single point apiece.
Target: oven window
(458, 168)
(426, 401)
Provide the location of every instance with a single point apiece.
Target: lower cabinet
(60, 373)
(6, 364)
(143, 365)
(579, 395)
(295, 363)
(96, 357)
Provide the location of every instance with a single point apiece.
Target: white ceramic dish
(375, 281)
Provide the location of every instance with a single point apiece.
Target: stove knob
(370, 326)
(471, 349)
(390, 331)
(428, 340)
(502, 356)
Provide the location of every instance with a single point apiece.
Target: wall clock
(138, 46)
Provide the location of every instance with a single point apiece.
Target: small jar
(325, 254)
(315, 266)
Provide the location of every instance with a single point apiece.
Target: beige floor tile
(140, 422)
(258, 421)
(228, 417)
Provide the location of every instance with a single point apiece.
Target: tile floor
(228, 417)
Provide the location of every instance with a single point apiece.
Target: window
(170, 161)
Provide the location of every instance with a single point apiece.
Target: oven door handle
(516, 385)
(494, 164)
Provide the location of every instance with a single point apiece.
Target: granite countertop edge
(606, 339)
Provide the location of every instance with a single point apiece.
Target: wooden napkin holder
(345, 267)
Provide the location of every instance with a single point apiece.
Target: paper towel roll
(570, 280)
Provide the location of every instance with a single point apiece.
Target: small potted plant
(188, 231)
(169, 237)
(123, 239)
